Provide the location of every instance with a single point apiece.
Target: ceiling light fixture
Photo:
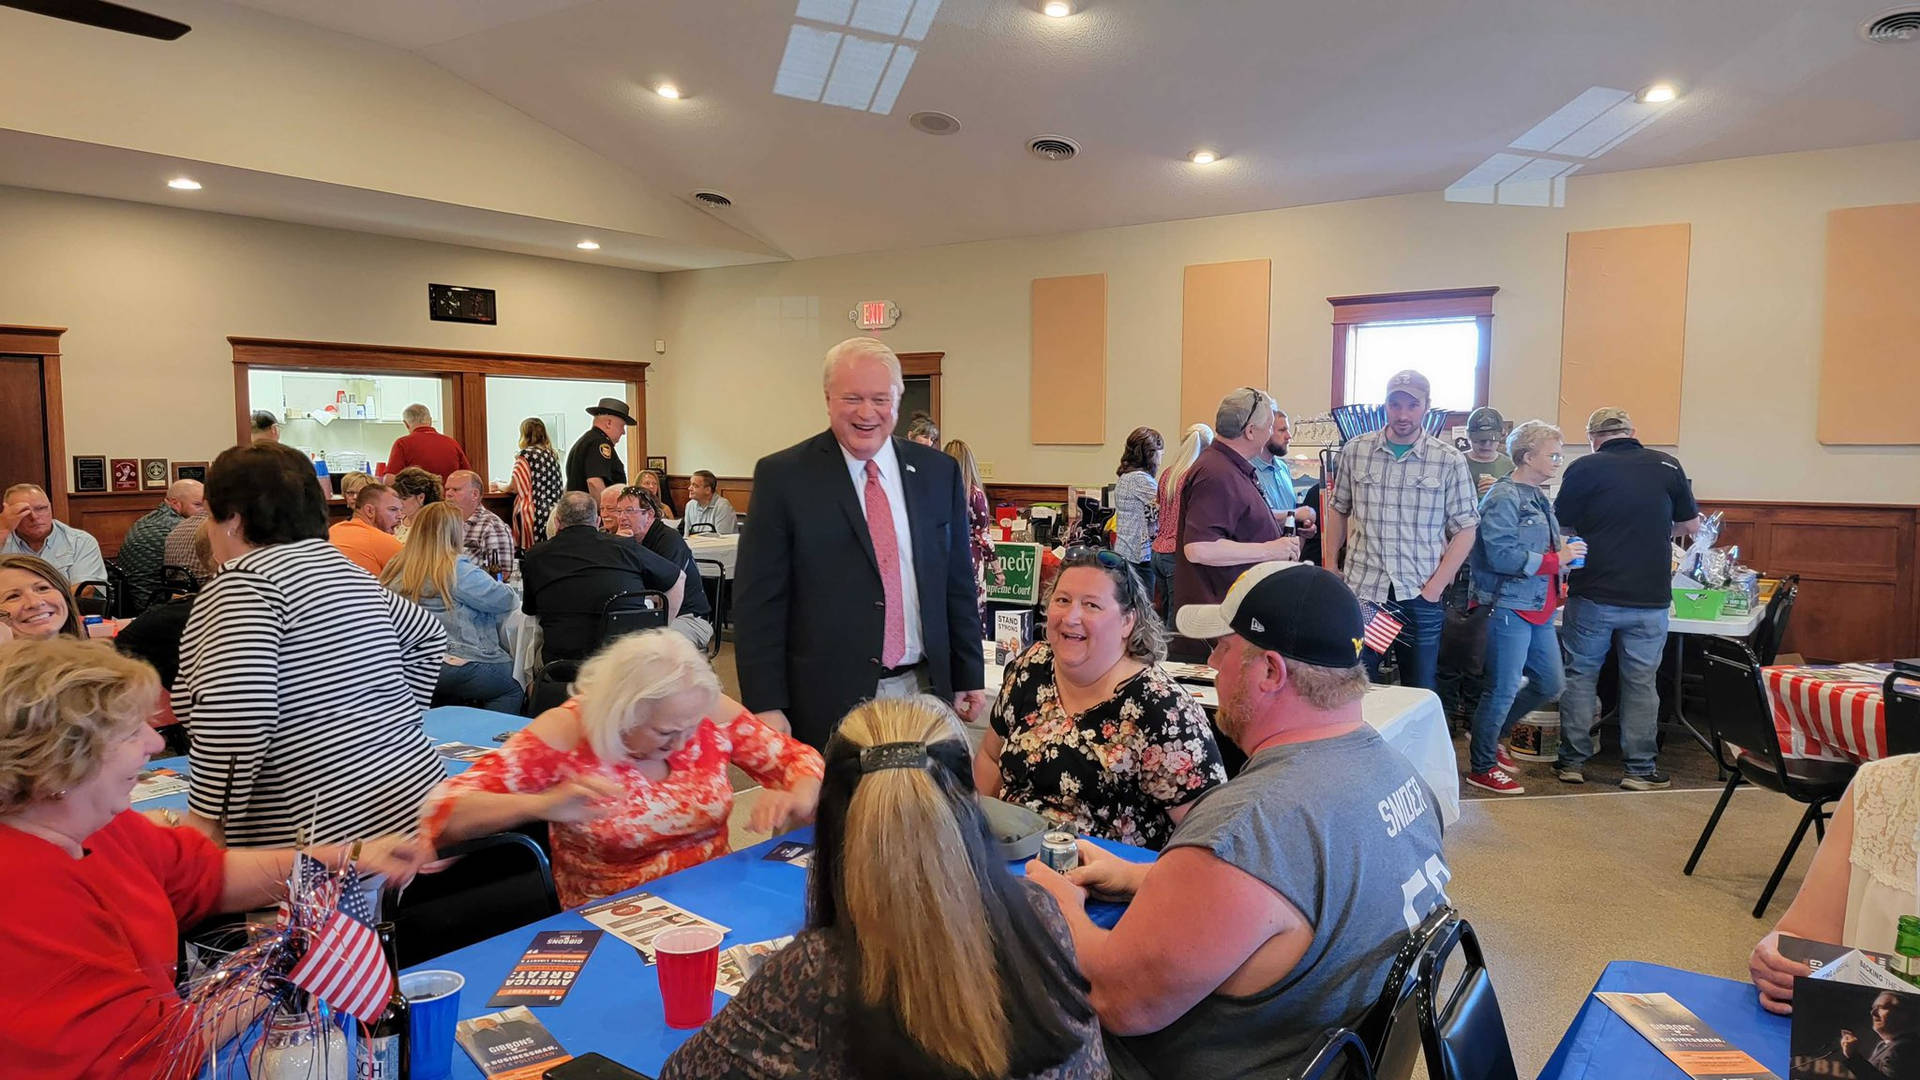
(587, 245)
(1057, 9)
(181, 183)
(668, 91)
(1203, 157)
(1657, 94)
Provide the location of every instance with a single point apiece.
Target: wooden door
(23, 423)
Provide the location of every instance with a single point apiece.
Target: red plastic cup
(688, 959)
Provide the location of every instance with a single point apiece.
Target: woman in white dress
(1862, 879)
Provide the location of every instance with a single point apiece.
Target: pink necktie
(886, 551)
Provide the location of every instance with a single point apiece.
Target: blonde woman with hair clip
(433, 571)
(1167, 533)
(922, 956)
(631, 773)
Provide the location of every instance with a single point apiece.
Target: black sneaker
(1569, 774)
(1652, 781)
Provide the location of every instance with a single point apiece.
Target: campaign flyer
(154, 783)
(1673, 1030)
(1818, 954)
(640, 918)
(739, 963)
(791, 852)
(547, 969)
(459, 751)
(1842, 1029)
(510, 1045)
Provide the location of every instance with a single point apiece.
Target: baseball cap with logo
(1410, 382)
(1609, 420)
(1298, 610)
(1486, 421)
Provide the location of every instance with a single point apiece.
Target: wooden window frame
(465, 372)
(1350, 312)
(914, 364)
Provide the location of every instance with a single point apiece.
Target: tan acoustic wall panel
(1224, 315)
(1870, 354)
(1623, 333)
(1069, 360)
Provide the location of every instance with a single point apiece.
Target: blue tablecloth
(1601, 1046)
(614, 1007)
(450, 723)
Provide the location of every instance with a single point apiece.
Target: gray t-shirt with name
(1346, 830)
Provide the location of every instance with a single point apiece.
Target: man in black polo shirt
(1627, 502)
(593, 464)
(1225, 524)
(570, 577)
(639, 514)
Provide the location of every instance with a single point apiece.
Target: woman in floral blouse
(631, 774)
(1089, 730)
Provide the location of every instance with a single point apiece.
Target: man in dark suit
(855, 579)
(570, 576)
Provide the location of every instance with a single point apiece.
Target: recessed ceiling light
(181, 183)
(668, 90)
(1657, 94)
(1057, 9)
(587, 245)
(1203, 157)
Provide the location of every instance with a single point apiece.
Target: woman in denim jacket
(432, 571)
(1517, 558)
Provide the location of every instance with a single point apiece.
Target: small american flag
(344, 966)
(1382, 630)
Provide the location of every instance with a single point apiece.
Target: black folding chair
(552, 684)
(1390, 1029)
(1772, 630)
(1738, 715)
(1340, 1056)
(703, 528)
(1901, 694)
(175, 582)
(1464, 1034)
(719, 596)
(96, 597)
(631, 612)
(498, 883)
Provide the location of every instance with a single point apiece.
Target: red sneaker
(1495, 780)
(1504, 759)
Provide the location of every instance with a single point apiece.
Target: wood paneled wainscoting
(739, 491)
(108, 515)
(1859, 570)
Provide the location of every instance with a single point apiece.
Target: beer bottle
(1906, 950)
(384, 1044)
(1292, 526)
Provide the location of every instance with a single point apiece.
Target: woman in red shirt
(631, 774)
(97, 893)
(1166, 537)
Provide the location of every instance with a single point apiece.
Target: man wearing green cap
(1627, 502)
(1486, 430)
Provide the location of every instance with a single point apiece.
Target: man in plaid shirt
(489, 541)
(1404, 504)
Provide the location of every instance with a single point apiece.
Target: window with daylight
(1446, 335)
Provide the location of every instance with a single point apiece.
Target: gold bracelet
(172, 816)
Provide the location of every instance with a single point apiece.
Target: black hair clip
(899, 755)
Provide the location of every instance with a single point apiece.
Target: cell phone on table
(591, 1066)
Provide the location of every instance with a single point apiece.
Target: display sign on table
(640, 918)
(1688, 1042)
(510, 1045)
(1852, 1018)
(546, 971)
(1013, 577)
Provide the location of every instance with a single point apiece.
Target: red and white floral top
(663, 826)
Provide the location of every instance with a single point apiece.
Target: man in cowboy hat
(594, 462)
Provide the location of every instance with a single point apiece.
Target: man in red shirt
(425, 447)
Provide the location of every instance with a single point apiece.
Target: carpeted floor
(1684, 760)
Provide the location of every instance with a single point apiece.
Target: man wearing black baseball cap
(1311, 865)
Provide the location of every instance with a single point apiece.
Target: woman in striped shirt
(282, 745)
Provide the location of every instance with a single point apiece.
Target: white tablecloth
(1409, 719)
(724, 550)
(1733, 626)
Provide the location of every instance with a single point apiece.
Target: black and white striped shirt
(303, 682)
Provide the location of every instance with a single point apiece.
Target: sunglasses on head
(1102, 556)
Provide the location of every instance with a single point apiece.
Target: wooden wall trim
(739, 492)
(31, 340)
(108, 515)
(44, 342)
(1425, 304)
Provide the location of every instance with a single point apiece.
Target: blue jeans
(1514, 647)
(1590, 630)
(1418, 646)
(492, 685)
(1162, 584)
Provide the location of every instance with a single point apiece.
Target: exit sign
(874, 314)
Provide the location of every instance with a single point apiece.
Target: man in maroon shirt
(1225, 524)
(425, 447)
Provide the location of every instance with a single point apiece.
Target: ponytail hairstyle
(952, 973)
(1197, 438)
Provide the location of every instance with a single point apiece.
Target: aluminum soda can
(1059, 852)
(1578, 562)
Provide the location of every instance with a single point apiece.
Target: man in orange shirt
(425, 447)
(366, 538)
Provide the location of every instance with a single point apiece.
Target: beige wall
(755, 335)
(150, 295)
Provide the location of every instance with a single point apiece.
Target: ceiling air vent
(1052, 147)
(934, 123)
(713, 199)
(1893, 28)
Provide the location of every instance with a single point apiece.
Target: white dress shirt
(890, 483)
